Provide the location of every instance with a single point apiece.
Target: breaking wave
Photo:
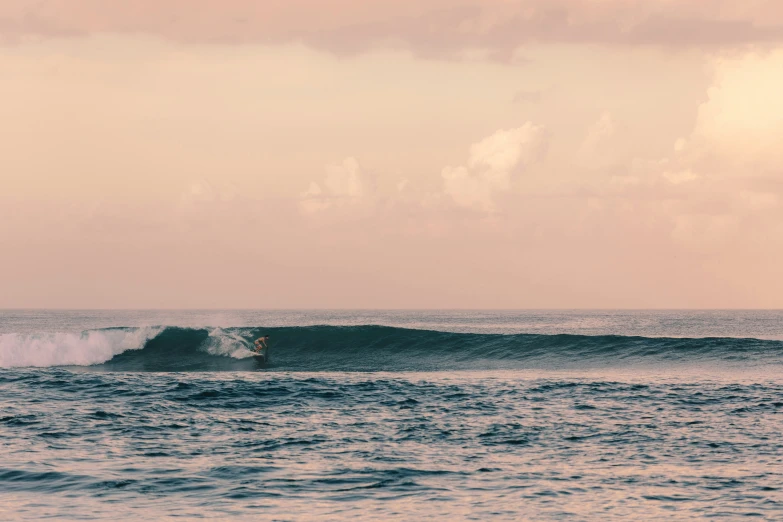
(70, 349)
(365, 348)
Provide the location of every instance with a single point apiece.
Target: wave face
(367, 348)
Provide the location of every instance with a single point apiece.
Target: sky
(391, 154)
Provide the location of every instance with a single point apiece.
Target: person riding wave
(262, 343)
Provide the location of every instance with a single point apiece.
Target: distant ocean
(382, 415)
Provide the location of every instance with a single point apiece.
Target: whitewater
(391, 415)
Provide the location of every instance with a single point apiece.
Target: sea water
(391, 415)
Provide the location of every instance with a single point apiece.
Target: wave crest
(71, 349)
(367, 348)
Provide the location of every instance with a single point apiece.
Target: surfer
(262, 344)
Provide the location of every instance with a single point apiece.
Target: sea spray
(71, 349)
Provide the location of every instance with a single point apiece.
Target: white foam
(221, 342)
(70, 349)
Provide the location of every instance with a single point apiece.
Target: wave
(365, 348)
(70, 349)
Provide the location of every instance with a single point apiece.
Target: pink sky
(473, 154)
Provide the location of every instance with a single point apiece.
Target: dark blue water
(391, 415)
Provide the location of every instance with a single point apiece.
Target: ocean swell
(366, 348)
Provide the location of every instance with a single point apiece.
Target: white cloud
(344, 185)
(721, 176)
(312, 199)
(680, 144)
(314, 190)
(741, 123)
(345, 179)
(468, 190)
(596, 149)
(492, 164)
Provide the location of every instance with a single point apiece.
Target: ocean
(391, 415)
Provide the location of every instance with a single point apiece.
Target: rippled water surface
(546, 416)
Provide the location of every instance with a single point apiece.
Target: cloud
(345, 185)
(468, 190)
(208, 207)
(596, 149)
(436, 27)
(492, 164)
(345, 180)
(722, 184)
(731, 163)
(741, 122)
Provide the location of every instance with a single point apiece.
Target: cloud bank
(436, 27)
